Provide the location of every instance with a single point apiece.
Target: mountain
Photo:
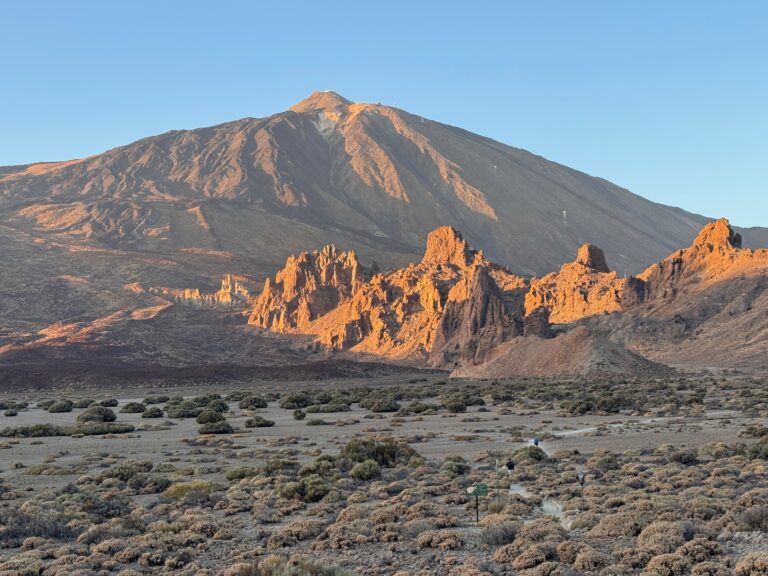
(370, 177)
(102, 255)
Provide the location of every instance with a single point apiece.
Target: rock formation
(453, 305)
(582, 288)
(308, 287)
(232, 294)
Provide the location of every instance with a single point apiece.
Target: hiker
(535, 440)
(510, 466)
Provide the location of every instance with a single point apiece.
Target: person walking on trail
(535, 440)
(510, 466)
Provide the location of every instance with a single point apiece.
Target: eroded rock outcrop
(582, 288)
(714, 255)
(310, 285)
(451, 306)
(232, 294)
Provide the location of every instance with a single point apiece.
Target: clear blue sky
(666, 98)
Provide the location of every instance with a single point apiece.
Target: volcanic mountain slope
(369, 177)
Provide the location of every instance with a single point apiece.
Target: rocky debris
(232, 294)
(578, 351)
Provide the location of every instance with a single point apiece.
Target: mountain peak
(321, 100)
(592, 257)
(718, 233)
(446, 245)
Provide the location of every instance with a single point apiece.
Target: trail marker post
(477, 490)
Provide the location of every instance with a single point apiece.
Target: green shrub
(181, 490)
(133, 408)
(99, 428)
(293, 401)
(109, 403)
(11, 412)
(242, 472)
(252, 403)
(327, 408)
(317, 422)
(221, 427)
(82, 403)
(209, 417)
(299, 414)
(258, 422)
(367, 470)
(61, 406)
(184, 409)
(156, 399)
(386, 452)
(385, 405)
(455, 465)
(152, 412)
(96, 414)
(310, 488)
(530, 453)
(217, 406)
(759, 450)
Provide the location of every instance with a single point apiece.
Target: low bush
(759, 450)
(252, 403)
(310, 488)
(20, 525)
(152, 412)
(500, 534)
(133, 408)
(241, 472)
(299, 414)
(259, 422)
(96, 414)
(367, 470)
(184, 409)
(11, 412)
(82, 403)
(209, 417)
(109, 403)
(182, 490)
(221, 427)
(386, 452)
(155, 399)
(61, 406)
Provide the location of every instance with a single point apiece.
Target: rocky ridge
(454, 308)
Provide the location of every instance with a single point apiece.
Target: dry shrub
(589, 560)
(568, 550)
(294, 532)
(661, 537)
(700, 549)
(534, 555)
(181, 490)
(710, 569)
(500, 534)
(755, 564)
(441, 540)
(667, 565)
(616, 525)
(755, 518)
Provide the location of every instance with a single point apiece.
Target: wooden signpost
(477, 490)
